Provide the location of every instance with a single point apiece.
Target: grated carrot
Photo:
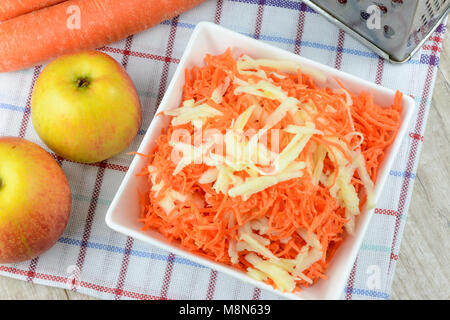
(297, 203)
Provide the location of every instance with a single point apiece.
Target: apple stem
(83, 83)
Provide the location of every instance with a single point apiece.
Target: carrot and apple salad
(263, 169)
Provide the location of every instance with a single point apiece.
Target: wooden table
(422, 270)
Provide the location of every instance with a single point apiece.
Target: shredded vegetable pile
(278, 185)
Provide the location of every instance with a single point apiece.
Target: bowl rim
(409, 103)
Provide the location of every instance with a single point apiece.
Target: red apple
(85, 107)
(35, 200)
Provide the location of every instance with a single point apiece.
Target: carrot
(13, 8)
(209, 227)
(41, 35)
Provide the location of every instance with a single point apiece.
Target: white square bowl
(209, 38)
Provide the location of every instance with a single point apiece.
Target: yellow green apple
(85, 107)
(35, 200)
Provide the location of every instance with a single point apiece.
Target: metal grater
(404, 25)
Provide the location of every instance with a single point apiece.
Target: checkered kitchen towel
(108, 265)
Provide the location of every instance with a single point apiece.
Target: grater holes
(396, 3)
(424, 20)
(430, 8)
(389, 32)
(365, 15)
(383, 9)
(437, 5)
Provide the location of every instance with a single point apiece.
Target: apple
(35, 200)
(85, 107)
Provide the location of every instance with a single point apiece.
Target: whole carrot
(12, 8)
(77, 25)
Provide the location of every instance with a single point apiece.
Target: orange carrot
(13, 8)
(38, 36)
(207, 230)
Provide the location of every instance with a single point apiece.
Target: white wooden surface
(422, 270)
